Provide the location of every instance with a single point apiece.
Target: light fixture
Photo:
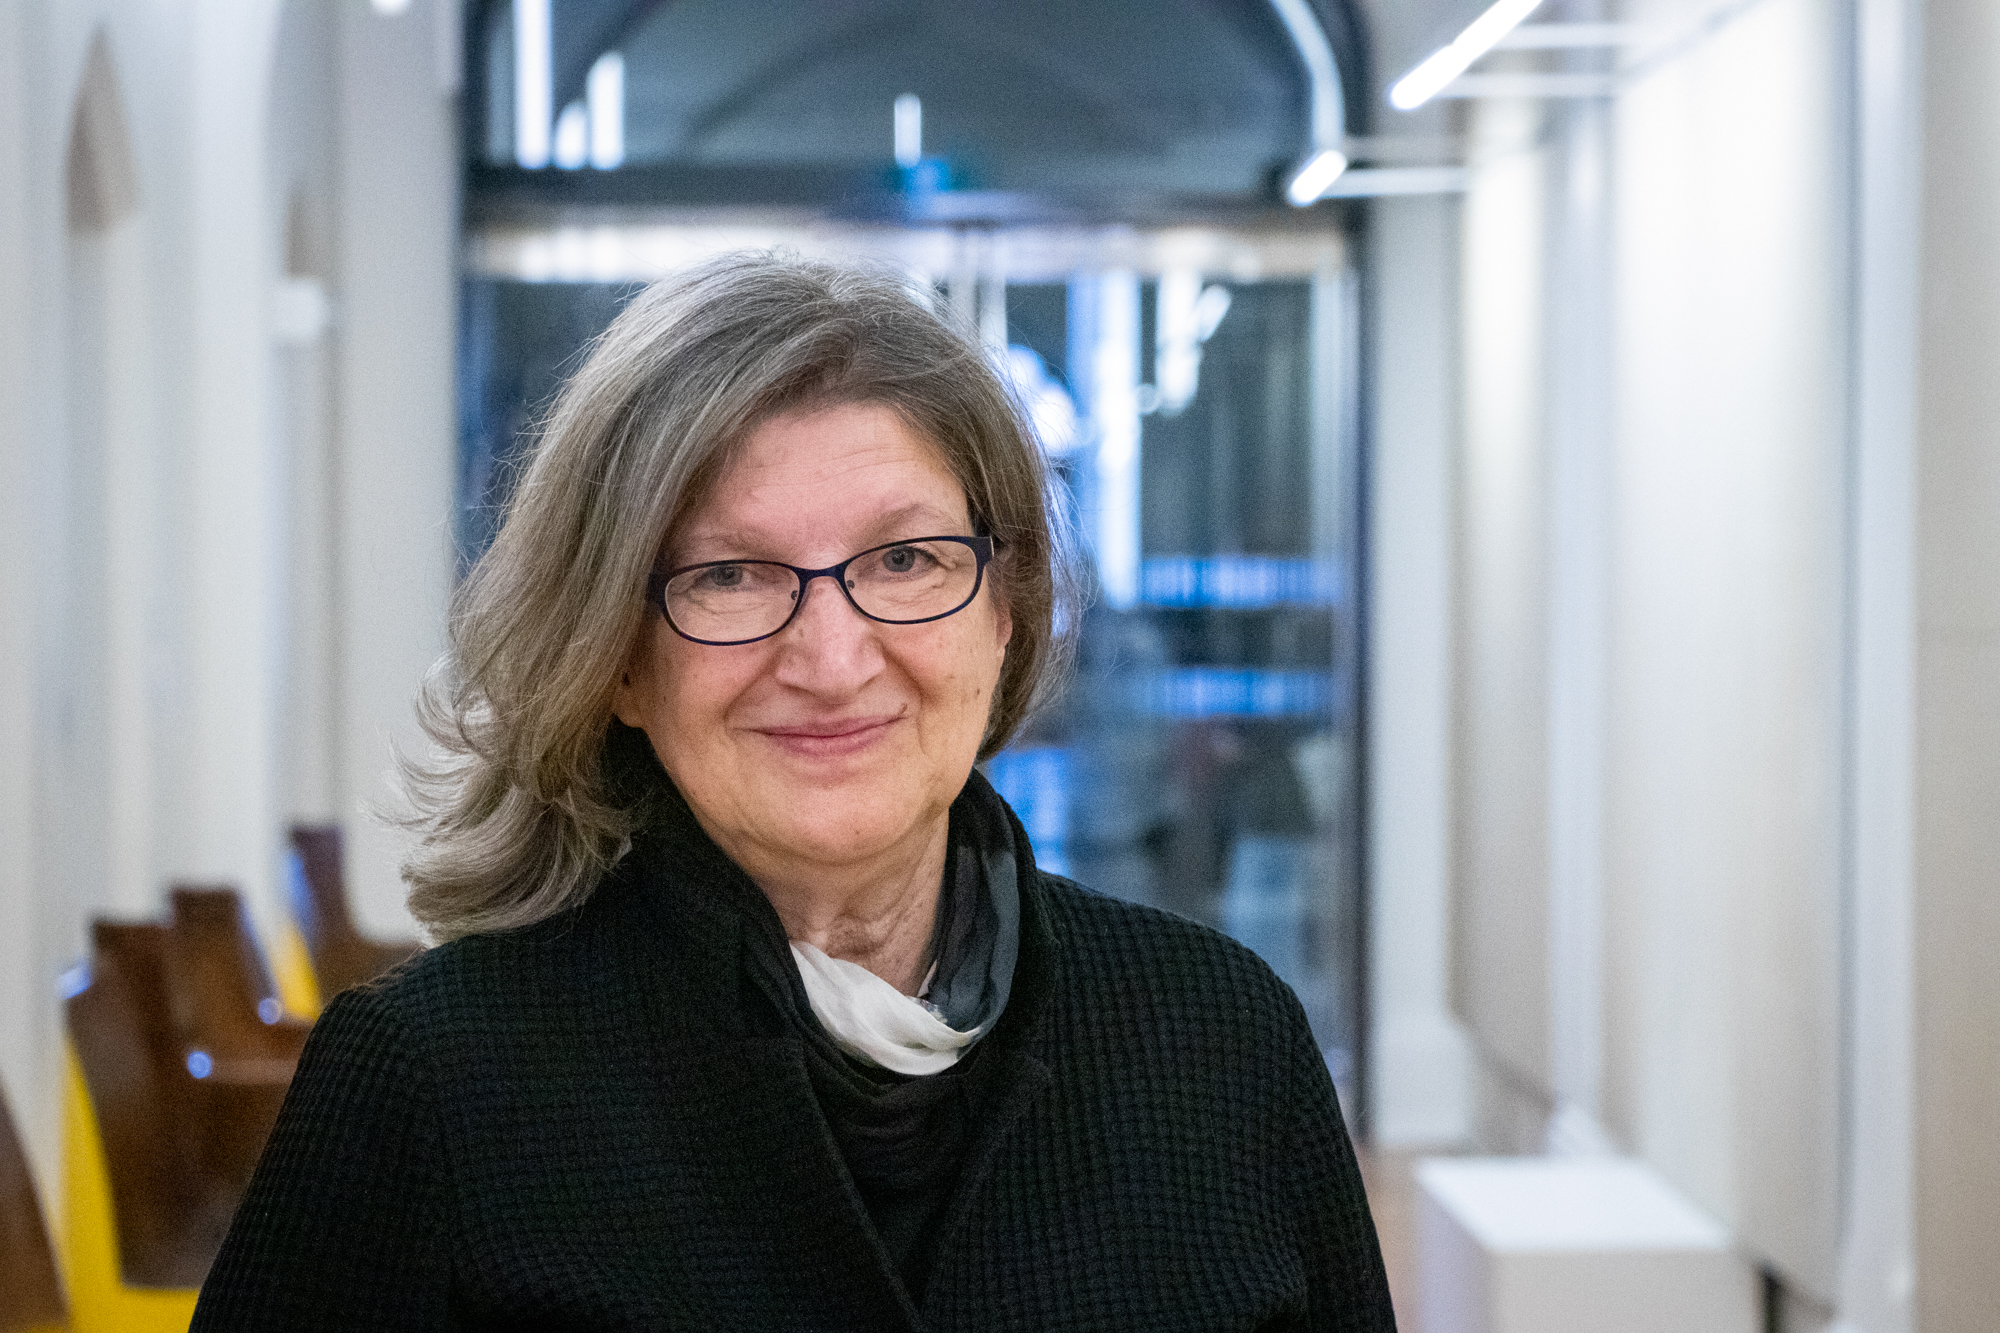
(1326, 106)
(570, 148)
(1424, 82)
(391, 7)
(534, 83)
(604, 92)
(909, 130)
(1320, 170)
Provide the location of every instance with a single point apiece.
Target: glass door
(1195, 389)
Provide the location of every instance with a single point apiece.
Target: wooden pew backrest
(342, 956)
(30, 1293)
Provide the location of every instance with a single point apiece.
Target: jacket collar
(793, 1191)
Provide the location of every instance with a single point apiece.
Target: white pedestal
(1572, 1245)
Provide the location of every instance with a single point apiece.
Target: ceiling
(790, 100)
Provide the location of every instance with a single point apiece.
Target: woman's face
(839, 738)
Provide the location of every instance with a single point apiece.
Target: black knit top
(601, 1123)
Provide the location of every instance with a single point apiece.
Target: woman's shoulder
(480, 979)
(1096, 922)
(1125, 952)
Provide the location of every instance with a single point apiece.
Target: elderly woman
(753, 1010)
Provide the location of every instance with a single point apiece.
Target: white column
(1580, 550)
(1877, 1273)
(397, 295)
(233, 528)
(1421, 1076)
(1955, 695)
(22, 987)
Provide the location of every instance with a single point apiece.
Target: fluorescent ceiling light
(571, 147)
(391, 7)
(534, 83)
(1310, 181)
(604, 91)
(1480, 36)
(909, 130)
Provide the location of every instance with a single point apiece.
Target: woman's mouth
(830, 737)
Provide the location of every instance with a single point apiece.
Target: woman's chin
(844, 823)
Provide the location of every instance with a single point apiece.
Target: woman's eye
(906, 559)
(723, 576)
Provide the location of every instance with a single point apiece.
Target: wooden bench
(234, 1036)
(182, 1057)
(169, 1218)
(31, 1298)
(341, 955)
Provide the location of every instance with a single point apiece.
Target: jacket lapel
(740, 1116)
(1020, 1046)
(745, 1118)
(781, 1204)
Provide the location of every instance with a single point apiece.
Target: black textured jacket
(596, 1124)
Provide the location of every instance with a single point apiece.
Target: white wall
(117, 778)
(154, 625)
(397, 300)
(1420, 1075)
(1652, 572)
(1726, 739)
(1878, 1272)
(1419, 1063)
(21, 985)
(1956, 678)
(303, 190)
(1501, 663)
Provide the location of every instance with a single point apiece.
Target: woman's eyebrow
(900, 519)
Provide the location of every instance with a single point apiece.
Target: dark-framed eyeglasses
(724, 603)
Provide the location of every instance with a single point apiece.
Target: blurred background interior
(1540, 474)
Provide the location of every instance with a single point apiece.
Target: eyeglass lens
(749, 599)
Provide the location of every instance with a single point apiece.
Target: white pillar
(1580, 549)
(1877, 1273)
(397, 296)
(1420, 1068)
(1955, 683)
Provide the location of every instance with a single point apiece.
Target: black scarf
(904, 1138)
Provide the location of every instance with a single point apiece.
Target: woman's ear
(628, 697)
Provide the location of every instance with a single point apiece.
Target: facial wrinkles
(778, 490)
(812, 506)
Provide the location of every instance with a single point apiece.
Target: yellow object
(87, 1241)
(292, 970)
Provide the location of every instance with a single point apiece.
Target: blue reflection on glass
(1036, 782)
(1230, 692)
(1240, 582)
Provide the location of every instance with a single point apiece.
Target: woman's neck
(880, 913)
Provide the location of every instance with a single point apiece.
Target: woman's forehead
(835, 474)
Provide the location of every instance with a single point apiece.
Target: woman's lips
(829, 739)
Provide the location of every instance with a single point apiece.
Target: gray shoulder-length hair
(519, 819)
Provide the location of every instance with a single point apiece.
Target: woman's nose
(829, 646)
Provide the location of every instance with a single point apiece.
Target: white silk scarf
(870, 1019)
